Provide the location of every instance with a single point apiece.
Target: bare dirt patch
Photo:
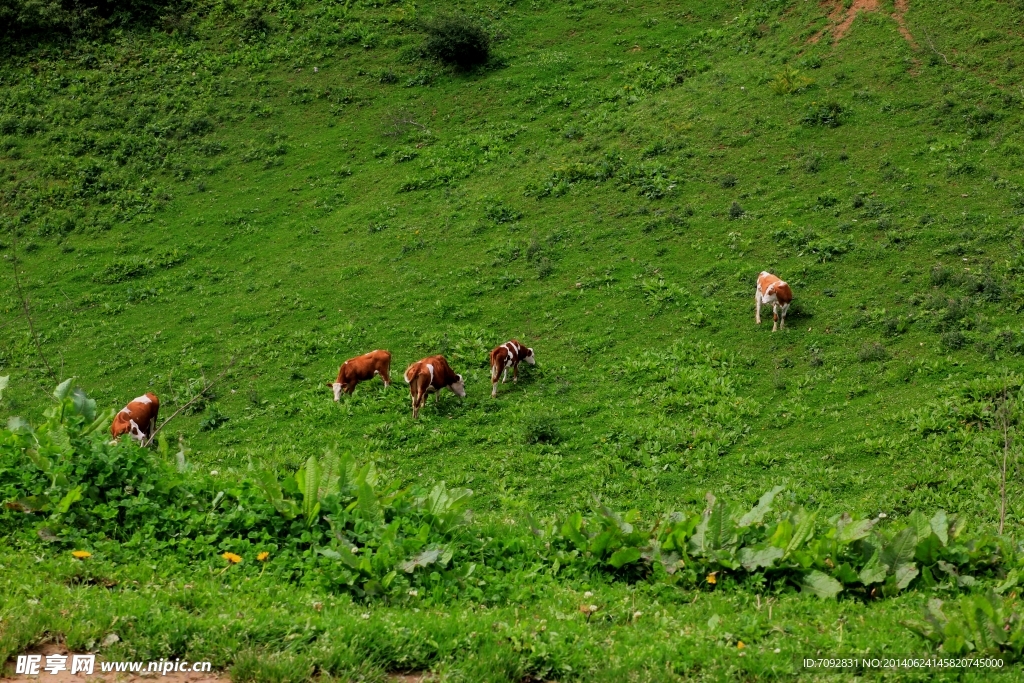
(841, 19)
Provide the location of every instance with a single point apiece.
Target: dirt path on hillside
(841, 19)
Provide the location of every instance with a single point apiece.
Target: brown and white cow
(430, 375)
(361, 369)
(506, 356)
(772, 290)
(138, 418)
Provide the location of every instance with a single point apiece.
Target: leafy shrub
(736, 211)
(823, 558)
(872, 352)
(826, 114)
(985, 624)
(335, 525)
(789, 82)
(541, 429)
(727, 181)
(953, 340)
(254, 26)
(500, 212)
(130, 267)
(457, 40)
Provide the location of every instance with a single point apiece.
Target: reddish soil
(840, 19)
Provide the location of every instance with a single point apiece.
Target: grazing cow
(361, 369)
(138, 418)
(772, 290)
(508, 356)
(432, 374)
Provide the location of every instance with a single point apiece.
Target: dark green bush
(541, 429)
(457, 40)
(825, 114)
(872, 352)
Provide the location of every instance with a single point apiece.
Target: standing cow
(430, 375)
(772, 290)
(508, 356)
(138, 418)
(361, 369)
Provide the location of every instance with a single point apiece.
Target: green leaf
(63, 389)
(900, 550)
(624, 556)
(803, 531)
(330, 554)
(845, 573)
(821, 584)
(757, 513)
(84, 406)
(922, 527)
(428, 556)
(905, 574)
(310, 487)
(72, 497)
(854, 531)
(873, 571)
(940, 526)
(1011, 580)
(754, 558)
(366, 501)
(571, 529)
(4, 381)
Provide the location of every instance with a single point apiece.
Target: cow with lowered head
(361, 369)
(506, 356)
(138, 418)
(431, 375)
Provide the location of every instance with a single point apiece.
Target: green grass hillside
(289, 184)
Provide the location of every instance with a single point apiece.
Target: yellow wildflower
(740, 645)
(81, 554)
(232, 558)
(712, 578)
(262, 557)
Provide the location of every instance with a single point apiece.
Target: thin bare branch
(206, 388)
(25, 306)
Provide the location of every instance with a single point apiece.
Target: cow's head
(136, 432)
(337, 387)
(459, 387)
(528, 356)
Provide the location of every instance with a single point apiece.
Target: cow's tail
(406, 376)
(495, 370)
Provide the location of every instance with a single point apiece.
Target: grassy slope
(290, 269)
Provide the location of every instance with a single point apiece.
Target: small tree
(458, 40)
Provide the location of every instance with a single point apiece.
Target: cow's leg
(495, 372)
(775, 316)
(504, 375)
(515, 372)
(782, 320)
(757, 307)
(414, 392)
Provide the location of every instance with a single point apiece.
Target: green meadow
(254, 192)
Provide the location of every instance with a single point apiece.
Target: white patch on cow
(530, 359)
(337, 390)
(431, 368)
(142, 399)
(126, 411)
(136, 432)
(459, 387)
